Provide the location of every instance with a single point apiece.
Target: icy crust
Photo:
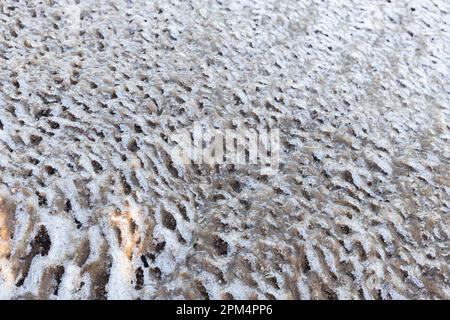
(92, 206)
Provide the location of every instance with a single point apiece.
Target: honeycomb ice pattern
(92, 206)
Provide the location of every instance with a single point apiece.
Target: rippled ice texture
(93, 206)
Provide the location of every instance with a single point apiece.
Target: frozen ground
(92, 207)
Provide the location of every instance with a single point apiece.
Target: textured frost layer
(92, 205)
